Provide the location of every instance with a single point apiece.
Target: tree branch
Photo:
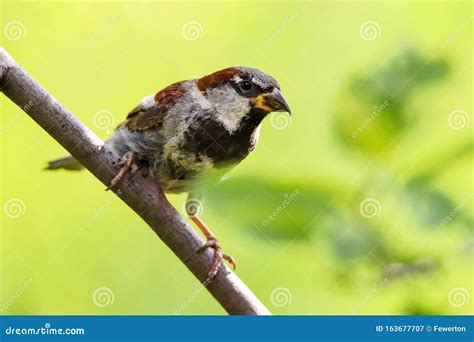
(143, 196)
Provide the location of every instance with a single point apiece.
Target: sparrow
(191, 127)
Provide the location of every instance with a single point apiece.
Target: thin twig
(145, 197)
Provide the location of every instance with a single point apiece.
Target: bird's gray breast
(144, 144)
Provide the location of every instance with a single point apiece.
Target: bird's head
(242, 94)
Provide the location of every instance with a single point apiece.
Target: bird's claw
(218, 256)
(127, 166)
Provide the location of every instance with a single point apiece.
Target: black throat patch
(209, 138)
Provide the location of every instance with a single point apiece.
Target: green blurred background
(362, 204)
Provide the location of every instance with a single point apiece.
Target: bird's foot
(213, 244)
(128, 165)
(218, 256)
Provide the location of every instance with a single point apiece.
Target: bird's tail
(67, 163)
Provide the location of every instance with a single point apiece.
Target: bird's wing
(152, 110)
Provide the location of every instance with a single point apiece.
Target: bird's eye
(246, 85)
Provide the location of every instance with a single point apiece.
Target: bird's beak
(272, 102)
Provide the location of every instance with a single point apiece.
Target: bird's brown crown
(219, 77)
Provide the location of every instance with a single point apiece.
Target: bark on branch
(143, 196)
